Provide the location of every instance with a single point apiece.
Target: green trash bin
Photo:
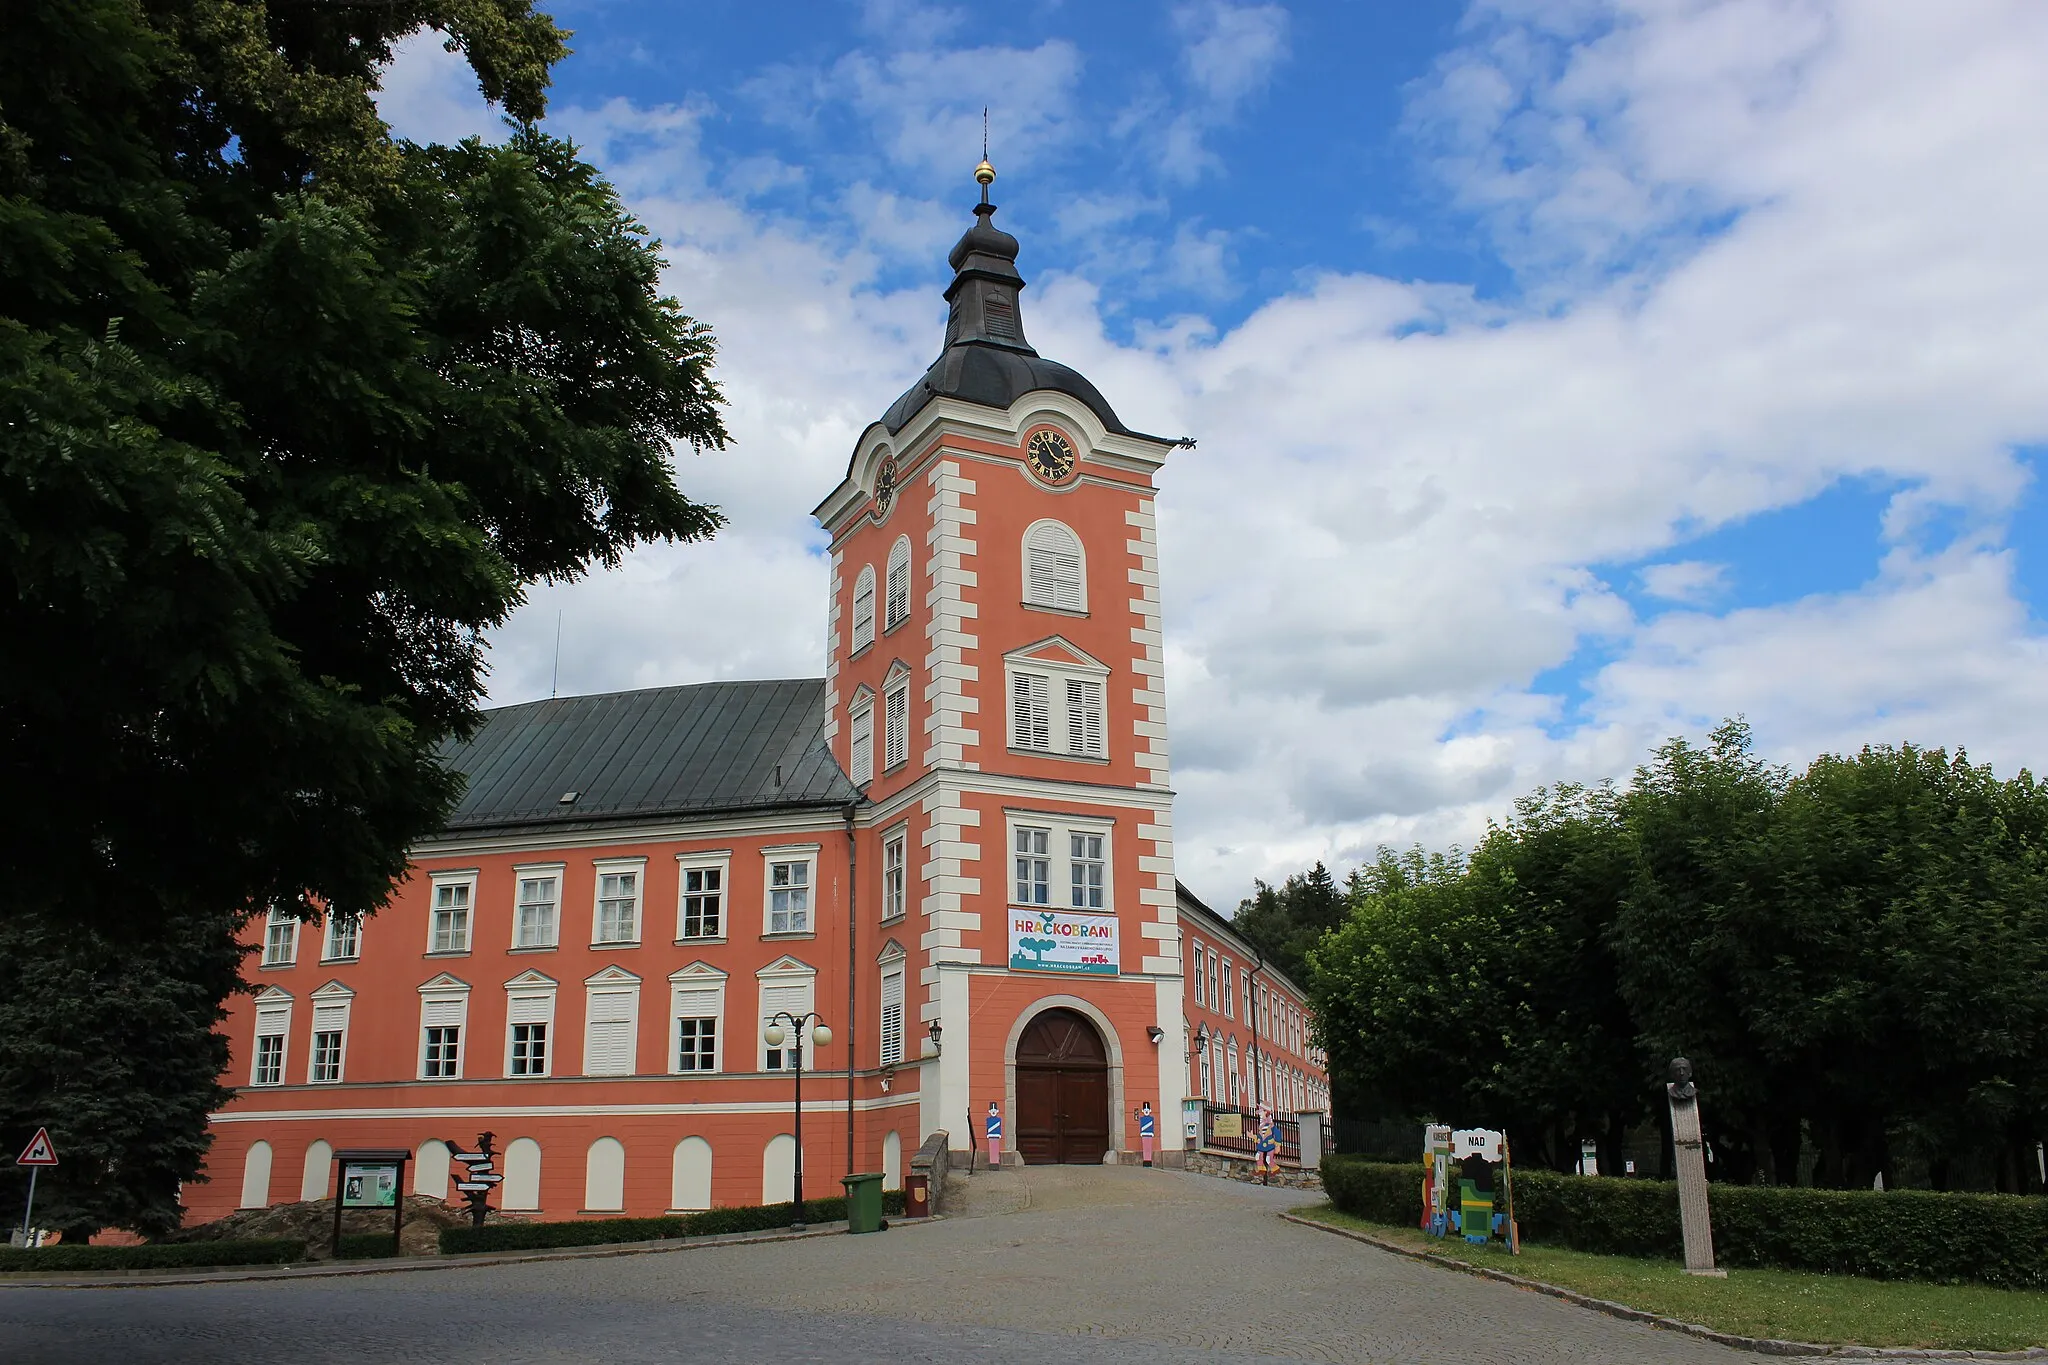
(863, 1202)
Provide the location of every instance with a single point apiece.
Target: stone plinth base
(1240, 1168)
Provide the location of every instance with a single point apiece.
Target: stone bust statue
(1682, 1089)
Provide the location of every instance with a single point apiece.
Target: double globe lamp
(821, 1036)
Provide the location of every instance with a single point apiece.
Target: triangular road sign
(39, 1152)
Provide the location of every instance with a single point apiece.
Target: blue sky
(1568, 374)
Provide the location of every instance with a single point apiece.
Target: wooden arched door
(1062, 1090)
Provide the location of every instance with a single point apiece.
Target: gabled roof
(697, 749)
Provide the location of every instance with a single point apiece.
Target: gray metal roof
(659, 751)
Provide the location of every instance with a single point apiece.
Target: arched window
(864, 608)
(604, 1175)
(256, 1176)
(691, 1176)
(430, 1169)
(897, 609)
(319, 1168)
(1054, 568)
(778, 1170)
(1230, 1073)
(892, 1160)
(522, 1174)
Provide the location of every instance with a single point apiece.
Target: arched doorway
(1062, 1090)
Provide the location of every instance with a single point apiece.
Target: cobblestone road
(1118, 1264)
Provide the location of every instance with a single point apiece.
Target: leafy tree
(290, 413)
(1283, 923)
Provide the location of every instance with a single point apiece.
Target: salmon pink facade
(956, 850)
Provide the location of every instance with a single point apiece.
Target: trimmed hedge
(1994, 1239)
(365, 1246)
(152, 1255)
(604, 1231)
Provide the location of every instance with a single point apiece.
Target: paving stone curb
(1770, 1346)
(394, 1265)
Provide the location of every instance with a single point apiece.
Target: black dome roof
(987, 359)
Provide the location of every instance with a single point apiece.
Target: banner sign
(367, 1185)
(1062, 941)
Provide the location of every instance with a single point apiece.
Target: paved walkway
(1104, 1265)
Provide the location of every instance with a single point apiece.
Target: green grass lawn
(1789, 1304)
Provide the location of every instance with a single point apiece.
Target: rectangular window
(535, 917)
(703, 902)
(697, 1044)
(1030, 711)
(862, 727)
(450, 918)
(1229, 993)
(1084, 718)
(608, 1033)
(344, 938)
(618, 907)
(326, 1056)
(789, 897)
(280, 939)
(892, 1014)
(529, 1050)
(894, 855)
(896, 726)
(1201, 956)
(269, 1066)
(1085, 865)
(1034, 866)
(444, 1051)
(1215, 1000)
(697, 1010)
(794, 999)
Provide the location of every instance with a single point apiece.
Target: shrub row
(603, 1231)
(1995, 1239)
(365, 1246)
(152, 1255)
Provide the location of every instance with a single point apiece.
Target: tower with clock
(995, 685)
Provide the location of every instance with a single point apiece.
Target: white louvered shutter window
(529, 1017)
(864, 608)
(1052, 568)
(272, 1023)
(608, 1034)
(794, 1000)
(896, 725)
(863, 728)
(892, 1015)
(897, 609)
(330, 1024)
(1030, 711)
(1084, 717)
(536, 1008)
(697, 1019)
(441, 1021)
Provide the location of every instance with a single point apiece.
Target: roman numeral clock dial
(1049, 456)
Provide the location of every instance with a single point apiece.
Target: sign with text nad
(1047, 940)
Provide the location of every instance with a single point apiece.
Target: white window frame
(522, 874)
(896, 606)
(890, 1012)
(636, 868)
(611, 984)
(330, 922)
(1065, 736)
(330, 1000)
(863, 609)
(1060, 829)
(530, 1000)
(1201, 976)
(686, 997)
(806, 854)
(788, 985)
(896, 721)
(718, 862)
(466, 880)
(280, 938)
(860, 744)
(1229, 992)
(895, 873)
(273, 1020)
(441, 1000)
(1047, 583)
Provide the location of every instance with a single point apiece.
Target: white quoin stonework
(949, 660)
(1148, 664)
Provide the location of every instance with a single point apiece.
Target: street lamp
(773, 1036)
(933, 1033)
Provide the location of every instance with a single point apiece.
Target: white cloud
(1231, 51)
(430, 95)
(1692, 581)
(1391, 526)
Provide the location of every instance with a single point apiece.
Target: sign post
(370, 1178)
(481, 1176)
(39, 1153)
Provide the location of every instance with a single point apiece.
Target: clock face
(1049, 456)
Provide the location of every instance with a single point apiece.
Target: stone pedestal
(1694, 1220)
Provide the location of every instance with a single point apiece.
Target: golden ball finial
(984, 174)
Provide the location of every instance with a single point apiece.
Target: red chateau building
(956, 848)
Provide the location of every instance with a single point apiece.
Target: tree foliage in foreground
(290, 413)
(1855, 958)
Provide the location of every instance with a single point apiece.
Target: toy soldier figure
(995, 1136)
(1146, 1130)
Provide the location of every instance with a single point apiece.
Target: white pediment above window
(612, 976)
(787, 966)
(273, 995)
(891, 951)
(444, 982)
(697, 973)
(898, 671)
(334, 992)
(1057, 652)
(531, 980)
